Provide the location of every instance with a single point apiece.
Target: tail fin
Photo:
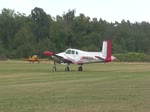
(106, 50)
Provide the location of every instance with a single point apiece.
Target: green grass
(113, 87)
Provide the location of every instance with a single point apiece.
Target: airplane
(79, 57)
(33, 59)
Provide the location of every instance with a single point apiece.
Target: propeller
(47, 53)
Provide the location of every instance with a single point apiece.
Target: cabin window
(77, 53)
(72, 52)
(68, 51)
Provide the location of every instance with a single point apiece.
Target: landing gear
(80, 68)
(67, 68)
(54, 67)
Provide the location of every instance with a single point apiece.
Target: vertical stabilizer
(106, 50)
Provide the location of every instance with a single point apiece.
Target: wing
(45, 59)
(27, 59)
(101, 58)
(63, 59)
(60, 58)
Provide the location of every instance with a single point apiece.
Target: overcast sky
(109, 10)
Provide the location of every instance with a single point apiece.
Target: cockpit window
(68, 51)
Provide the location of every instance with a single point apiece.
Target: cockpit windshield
(68, 51)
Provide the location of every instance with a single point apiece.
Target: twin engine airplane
(78, 57)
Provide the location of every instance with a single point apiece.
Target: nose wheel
(54, 67)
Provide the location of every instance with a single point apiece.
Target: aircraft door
(73, 53)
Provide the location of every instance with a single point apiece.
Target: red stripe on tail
(108, 55)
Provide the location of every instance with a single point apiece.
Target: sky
(109, 10)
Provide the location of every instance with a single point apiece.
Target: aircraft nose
(47, 53)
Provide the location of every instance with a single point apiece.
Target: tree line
(22, 35)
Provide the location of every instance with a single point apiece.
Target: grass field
(113, 87)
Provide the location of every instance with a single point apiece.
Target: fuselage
(80, 57)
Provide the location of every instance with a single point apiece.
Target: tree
(40, 23)
(22, 35)
(24, 43)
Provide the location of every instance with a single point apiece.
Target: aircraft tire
(80, 68)
(54, 68)
(67, 69)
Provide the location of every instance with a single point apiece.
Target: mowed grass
(112, 87)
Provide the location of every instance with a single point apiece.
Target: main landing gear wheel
(54, 68)
(67, 69)
(80, 68)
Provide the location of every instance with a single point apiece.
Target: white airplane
(75, 56)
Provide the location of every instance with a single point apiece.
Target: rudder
(106, 50)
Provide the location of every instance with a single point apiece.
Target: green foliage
(21, 35)
(132, 57)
